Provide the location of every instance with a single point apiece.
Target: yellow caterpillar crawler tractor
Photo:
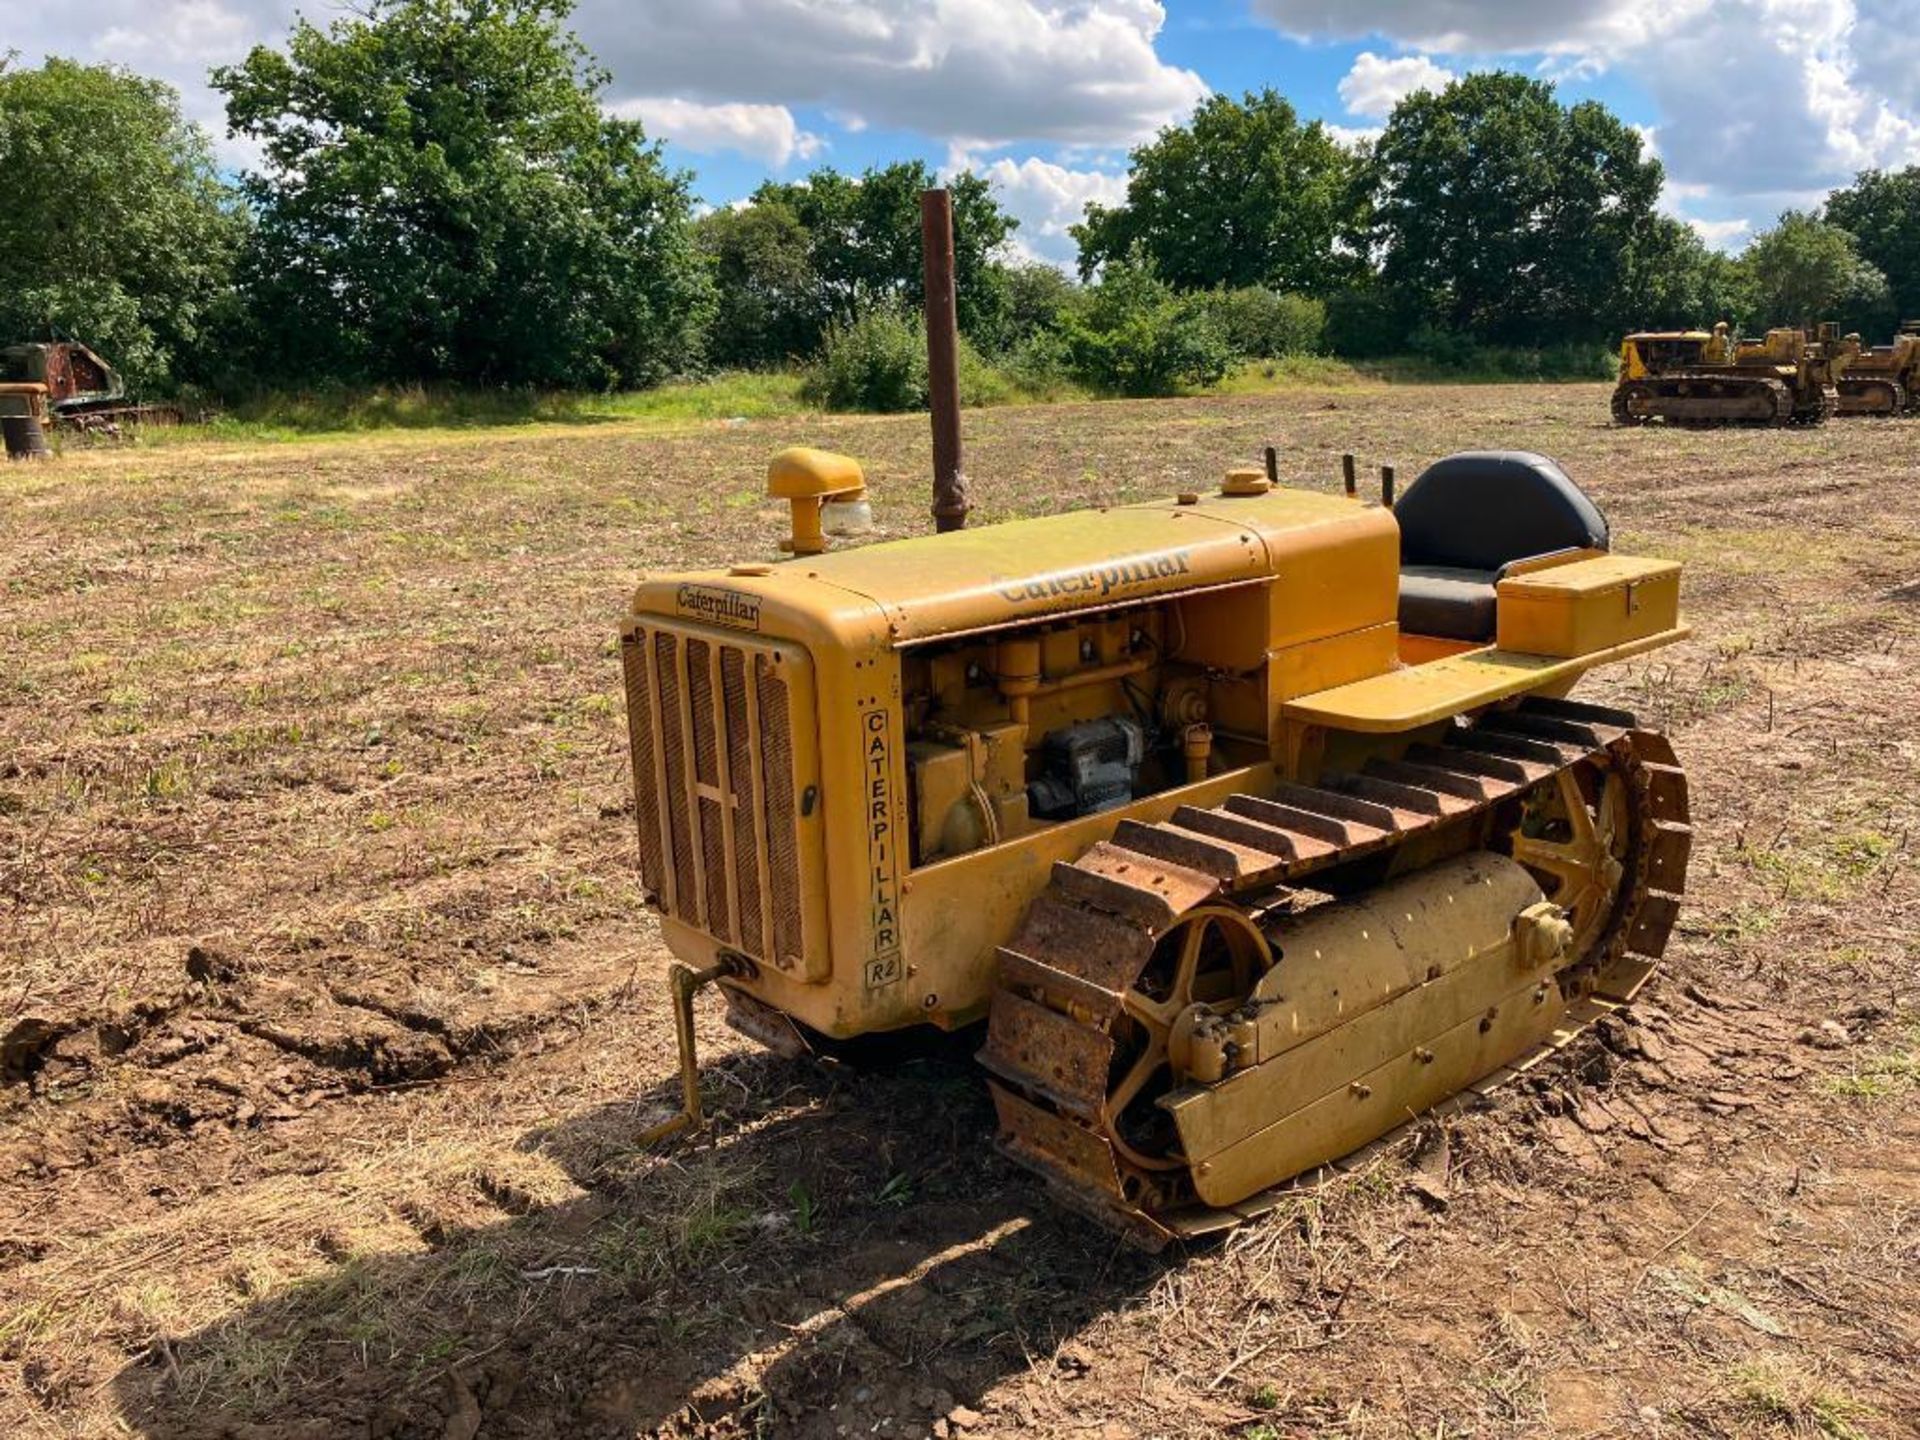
(1700, 378)
(1252, 824)
(1884, 379)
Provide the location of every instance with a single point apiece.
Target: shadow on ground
(845, 1256)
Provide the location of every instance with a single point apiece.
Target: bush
(1364, 324)
(1041, 366)
(1263, 324)
(1444, 349)
(982, 383)
(1460, 357)
(879, 364)
(1133, 334)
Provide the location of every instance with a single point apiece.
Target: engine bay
(1027, 727)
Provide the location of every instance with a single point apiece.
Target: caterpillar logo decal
(736, 609)
(1100, 580)
(883, 967)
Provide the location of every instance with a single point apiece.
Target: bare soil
(330, 1018)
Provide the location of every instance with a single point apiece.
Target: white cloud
(1761, 103)
(1767, 98)
(1352, 135)
(189, 32)
(1455, 27)
(1376, 84)
(992, 72)
(767, 133)
(172, 40)
(1886, 47)
(1724, 234)
(1045, 198)
(1775, 100)
(984, 71)
(1727, 233)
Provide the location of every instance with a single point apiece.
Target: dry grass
(316, 881)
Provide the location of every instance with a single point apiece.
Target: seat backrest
(1483, 509)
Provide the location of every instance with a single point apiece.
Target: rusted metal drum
(23, 413)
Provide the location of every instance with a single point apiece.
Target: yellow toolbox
(1588, 605)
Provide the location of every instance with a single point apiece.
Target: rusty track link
(1066, 973)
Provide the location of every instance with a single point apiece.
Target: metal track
(1066, 973)
(1873, 395)
(1820, 414)
(1708, 399)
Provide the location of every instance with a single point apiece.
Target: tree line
(441, 195)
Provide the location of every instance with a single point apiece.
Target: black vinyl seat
(1451, 603)
(1466, 519)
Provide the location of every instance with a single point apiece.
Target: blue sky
(1045, 97)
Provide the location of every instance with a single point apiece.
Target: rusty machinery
(1251, 824)
(80, 390)
(23, 420)
(1710, 378)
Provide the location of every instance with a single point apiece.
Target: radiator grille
(673, 751)
(646, 794)
(746, 854)
(711, 726)
(784, 865)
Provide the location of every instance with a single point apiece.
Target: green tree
(768, 293)
(443, 198)
(1682, 283)
(1804, 271)
(1503, 215)
(1882, 210)
(1243, 194)
(114, 227)
(1033, 296)
(864, 239)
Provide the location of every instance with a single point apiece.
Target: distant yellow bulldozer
(1252, 823)
(1883, 379)
(1708, 378)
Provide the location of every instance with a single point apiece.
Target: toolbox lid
(1586, 577)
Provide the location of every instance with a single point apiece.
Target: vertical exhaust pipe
(950, 505)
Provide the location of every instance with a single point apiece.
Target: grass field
(349, 413)
(329, 1015)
